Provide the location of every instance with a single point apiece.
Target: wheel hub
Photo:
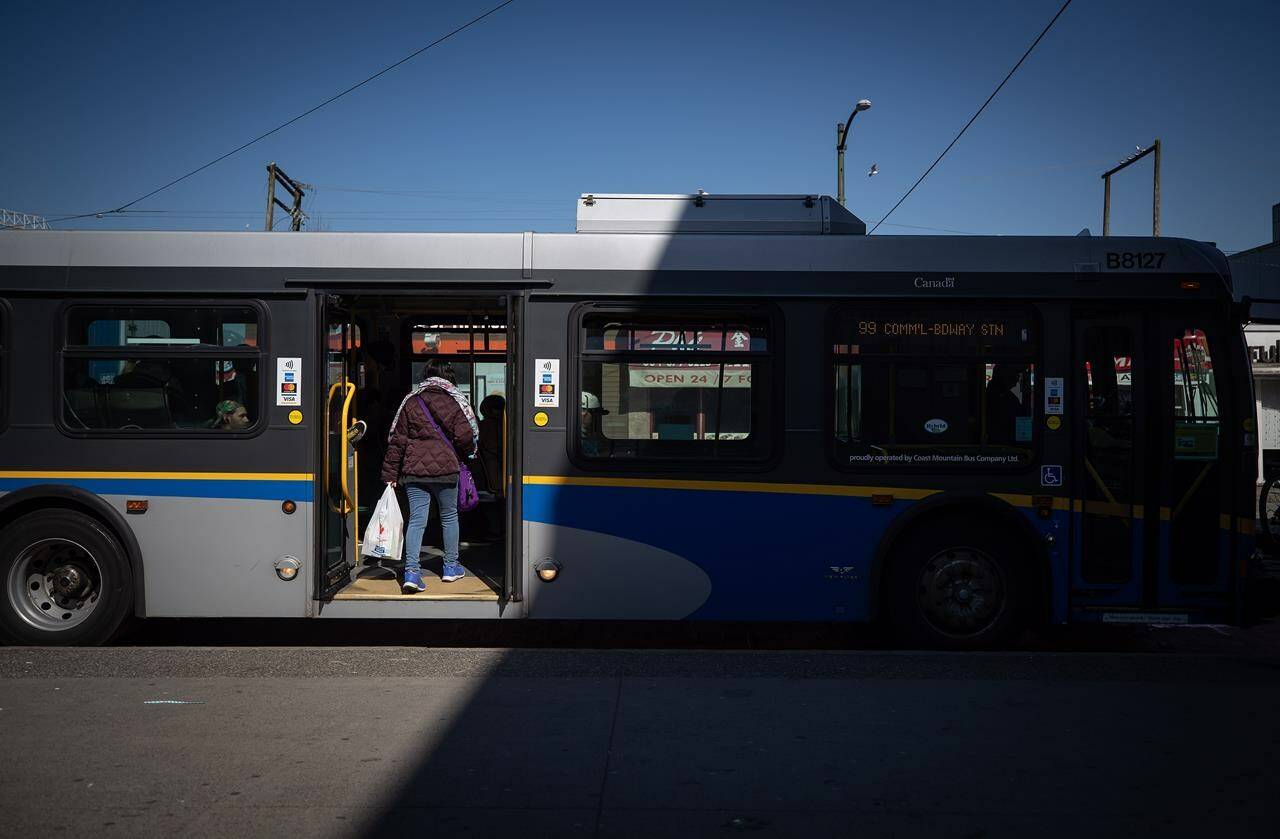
(961, 592)
(54, 584)
(68, 581)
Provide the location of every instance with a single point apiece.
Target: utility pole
(1155, 192)
(295, 189)
(840, 163)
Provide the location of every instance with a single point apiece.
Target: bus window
(148, 368)
(4, 366)
(477, 350)
(662, 387)
(1109, 489)
(923, 385)
(1195, 486)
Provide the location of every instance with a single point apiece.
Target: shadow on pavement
(166, 632)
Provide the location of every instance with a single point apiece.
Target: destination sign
(935, 330)
(951, 329)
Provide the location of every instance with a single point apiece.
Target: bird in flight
(873, 171)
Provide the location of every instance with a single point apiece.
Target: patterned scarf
(437, 383)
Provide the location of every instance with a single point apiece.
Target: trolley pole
(842, 137)
(1154, 148)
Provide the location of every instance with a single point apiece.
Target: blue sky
(501, 127)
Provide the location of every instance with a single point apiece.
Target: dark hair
(493, 405)
(440, 368)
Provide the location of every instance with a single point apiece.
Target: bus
(722, 408)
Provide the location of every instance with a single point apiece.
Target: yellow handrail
(346, 446)
(328, 418)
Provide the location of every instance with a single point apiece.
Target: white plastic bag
(384, 537)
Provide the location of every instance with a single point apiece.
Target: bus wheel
(66, 580)
(954, 586)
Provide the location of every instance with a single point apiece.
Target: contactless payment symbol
(1050, 476)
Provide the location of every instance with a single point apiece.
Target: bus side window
(925, 385)
(137, 367)
(1195, 480)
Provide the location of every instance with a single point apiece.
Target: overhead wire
(286, 124)
(973, 118)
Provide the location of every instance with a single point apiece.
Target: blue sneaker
(453, 571)
(412, 583)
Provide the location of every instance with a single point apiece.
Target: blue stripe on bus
(770, 556)
(301, 491)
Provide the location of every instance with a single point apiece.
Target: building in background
(1256, 273)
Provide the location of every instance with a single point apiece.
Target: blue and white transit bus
(693, 408)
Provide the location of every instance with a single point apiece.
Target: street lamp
(842, 135)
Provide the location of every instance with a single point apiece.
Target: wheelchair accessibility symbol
(1050, 476)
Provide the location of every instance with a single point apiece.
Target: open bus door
(512, 456)
(341, 531)
(1152, 524)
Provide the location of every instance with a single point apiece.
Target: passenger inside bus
(592, 440)
(1004, 406)
(147, 373)
(492, 409)
(231, 416)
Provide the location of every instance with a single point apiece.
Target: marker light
(289, 508)
(287, 568)
(548, 570)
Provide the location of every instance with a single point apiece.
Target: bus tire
(957, 583)
(66, 580)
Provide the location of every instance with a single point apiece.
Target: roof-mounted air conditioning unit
(807, 215)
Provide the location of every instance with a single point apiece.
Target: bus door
(1197, 466)
(1109, 480)
(342, 430)
(1152, 480)
(511, 455)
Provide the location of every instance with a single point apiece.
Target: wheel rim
(54, 584)
(961, 592)
(1269, 510)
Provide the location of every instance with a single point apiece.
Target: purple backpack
(468, 498)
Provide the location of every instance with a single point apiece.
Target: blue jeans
(420, 495)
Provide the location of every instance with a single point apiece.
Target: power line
(305, 113)
(543, 197)
(938, 229)
(1043, 32)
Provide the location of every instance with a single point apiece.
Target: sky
(501, 127)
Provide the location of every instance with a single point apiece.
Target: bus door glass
(1196, 467)
(1108, 479)
(342, 429)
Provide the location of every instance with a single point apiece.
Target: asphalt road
(1162, 734)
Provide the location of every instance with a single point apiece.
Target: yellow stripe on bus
(733, 486)
(1135, 511)
(903, 493)
(163, 476)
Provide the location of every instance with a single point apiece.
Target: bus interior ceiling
(396, 337)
